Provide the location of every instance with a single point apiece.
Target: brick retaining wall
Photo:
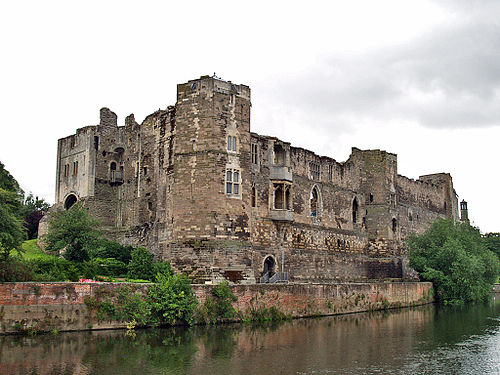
(61, 306)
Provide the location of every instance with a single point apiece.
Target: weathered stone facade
(195, 186)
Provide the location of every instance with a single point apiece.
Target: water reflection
(425, 340)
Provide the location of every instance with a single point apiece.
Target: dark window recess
(394, 225)
(150, 206)
(371, 198)
(104, 153)
(96, 143)
(145, 170)
(354, 210)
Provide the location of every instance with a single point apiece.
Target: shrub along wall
(65, 306)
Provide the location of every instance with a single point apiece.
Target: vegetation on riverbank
(457, 259)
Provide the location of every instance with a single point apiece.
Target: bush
(105, 267)
(105, 248)
(456, 259)
(219, 307)
(172, 300)
(142, 266)
(14, 270)
(55, 269)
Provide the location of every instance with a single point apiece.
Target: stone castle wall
(195, 186)
(61, 306)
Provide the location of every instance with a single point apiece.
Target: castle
(194, 185)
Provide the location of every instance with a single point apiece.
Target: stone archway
(269, 266)
(70, 201)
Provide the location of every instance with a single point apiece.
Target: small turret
(464, 214)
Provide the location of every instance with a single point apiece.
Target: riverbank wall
(35, 307)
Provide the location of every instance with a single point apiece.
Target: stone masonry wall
(61, 306)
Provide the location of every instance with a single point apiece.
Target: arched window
(355, 210)
(112, 166)
(315, 202)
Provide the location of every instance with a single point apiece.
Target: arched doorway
(70, 201)
(269, 266)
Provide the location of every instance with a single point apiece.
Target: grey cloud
(447, 78)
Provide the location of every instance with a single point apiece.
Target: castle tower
(464, 213)
(211, 188)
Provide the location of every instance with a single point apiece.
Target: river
(422, 340)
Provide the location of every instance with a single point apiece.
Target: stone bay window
(281, 205)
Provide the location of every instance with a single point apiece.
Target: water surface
(423, 340)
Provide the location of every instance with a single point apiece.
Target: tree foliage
(456, 258)
(172, 300)
(12, 232)
(493, 242)
(33, 210)
(72, 231)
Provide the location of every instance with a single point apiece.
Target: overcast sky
(416, 78)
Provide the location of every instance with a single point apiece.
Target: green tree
(7, 182)
(33, 210)
(456, 259)
(12, 232)
(73, 231)
(493, 242)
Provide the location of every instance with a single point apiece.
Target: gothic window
(75, 168)
(315, 202)
(281, 196)
(254, 153)
(231, 143)
(233, 182)
(355, 210)
(314, 171)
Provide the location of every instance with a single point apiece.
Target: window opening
(231, 143)
(330, 172)
(394, 225)
(314, 171)
(281, 196)
(75, 168)
(233, 182)
(279, 154)
(66, 170)
(96, 143)
(145, 170)
(254, 197)
(355, 210)
(254, 154)
(371, 198)
(314, 202)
